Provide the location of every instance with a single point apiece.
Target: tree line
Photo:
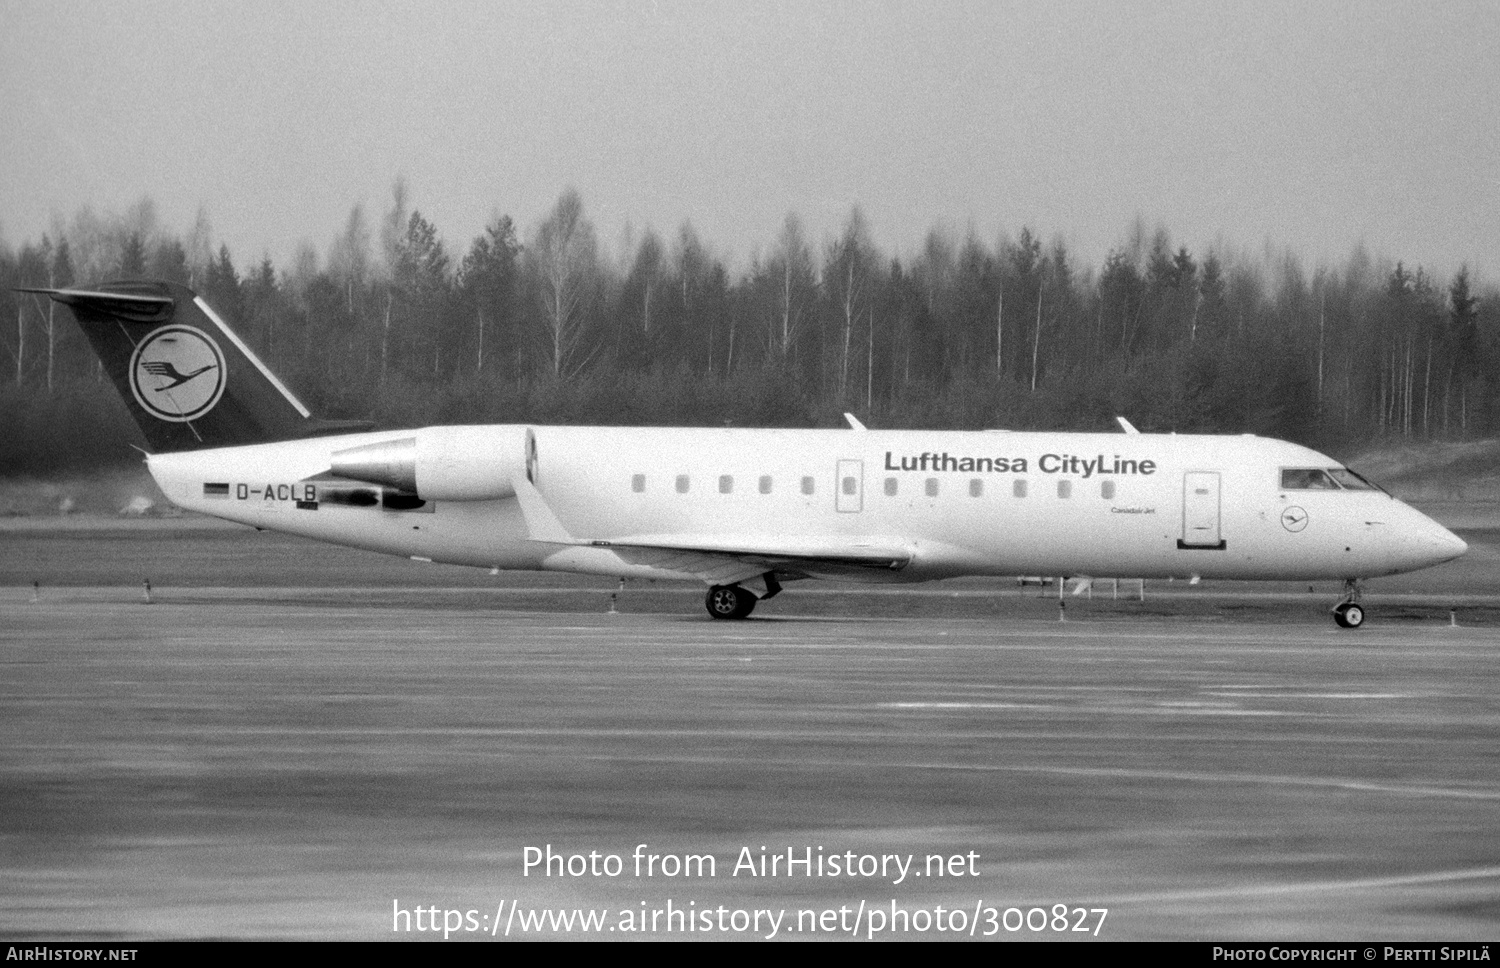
(545, 327)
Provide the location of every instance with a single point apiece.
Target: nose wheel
(729, 601)
(1349, 613)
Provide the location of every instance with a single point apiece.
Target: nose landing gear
(1349, 613)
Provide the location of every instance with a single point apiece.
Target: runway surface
(287, 763)
(297, 741)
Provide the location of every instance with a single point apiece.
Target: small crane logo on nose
(1294, 519)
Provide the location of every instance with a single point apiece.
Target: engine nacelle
(445, 463)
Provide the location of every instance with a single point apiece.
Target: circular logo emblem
(1294, 518)
(177, 373)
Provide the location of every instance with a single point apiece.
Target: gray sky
(1314, 126)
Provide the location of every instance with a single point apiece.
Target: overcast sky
(1313, 126)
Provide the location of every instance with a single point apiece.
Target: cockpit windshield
(1323, 479)
(1351, 481)
(1306, 479)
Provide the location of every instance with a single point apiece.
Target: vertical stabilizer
(187, 379)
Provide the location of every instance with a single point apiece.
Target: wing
(723, 559)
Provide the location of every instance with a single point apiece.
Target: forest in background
(546, 326)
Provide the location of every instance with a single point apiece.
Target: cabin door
(1200, 511)
(849, 495)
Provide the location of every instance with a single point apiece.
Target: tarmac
(335, 756)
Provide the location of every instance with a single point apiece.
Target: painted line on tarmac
(1248, 779)
(1273, 890)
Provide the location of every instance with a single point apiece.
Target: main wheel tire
(1349, 615)
(729, 601)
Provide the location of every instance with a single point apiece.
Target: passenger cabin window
(807, 485)
(726, 484)
(638, 483)
(851, 485)
(1306, 479)
(682, 483)
(1107, 490)
(765, 484)
(976, 488)
(932, 487)
(890, 487)
(1018, 488)
(1064, 489)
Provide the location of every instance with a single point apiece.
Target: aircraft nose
(1449, 544)
(1417, 541)
(1438, 544)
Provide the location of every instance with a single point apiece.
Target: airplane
(741, 510)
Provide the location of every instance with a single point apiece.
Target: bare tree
(646, 275)
(847, 275)
(392, 239)
(200, 248)
(59, 274)
(792, 267)
(487, 281)
(349, 256)
(94, 252)
(564, 261)
(393, 226)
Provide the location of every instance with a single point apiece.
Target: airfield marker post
(36, 592)
(146, 596)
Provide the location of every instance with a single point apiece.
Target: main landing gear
(729, 601)
(738, 601)
(1349, 613)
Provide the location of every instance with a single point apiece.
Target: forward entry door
(1200, 511)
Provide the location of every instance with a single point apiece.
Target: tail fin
(187, 379)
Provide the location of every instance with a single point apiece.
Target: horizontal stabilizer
(109, 301)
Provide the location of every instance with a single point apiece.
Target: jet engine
(445, 463)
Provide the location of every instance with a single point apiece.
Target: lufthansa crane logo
(1294, 519)
(177, 373)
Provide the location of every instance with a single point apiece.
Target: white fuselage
(954, 503)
